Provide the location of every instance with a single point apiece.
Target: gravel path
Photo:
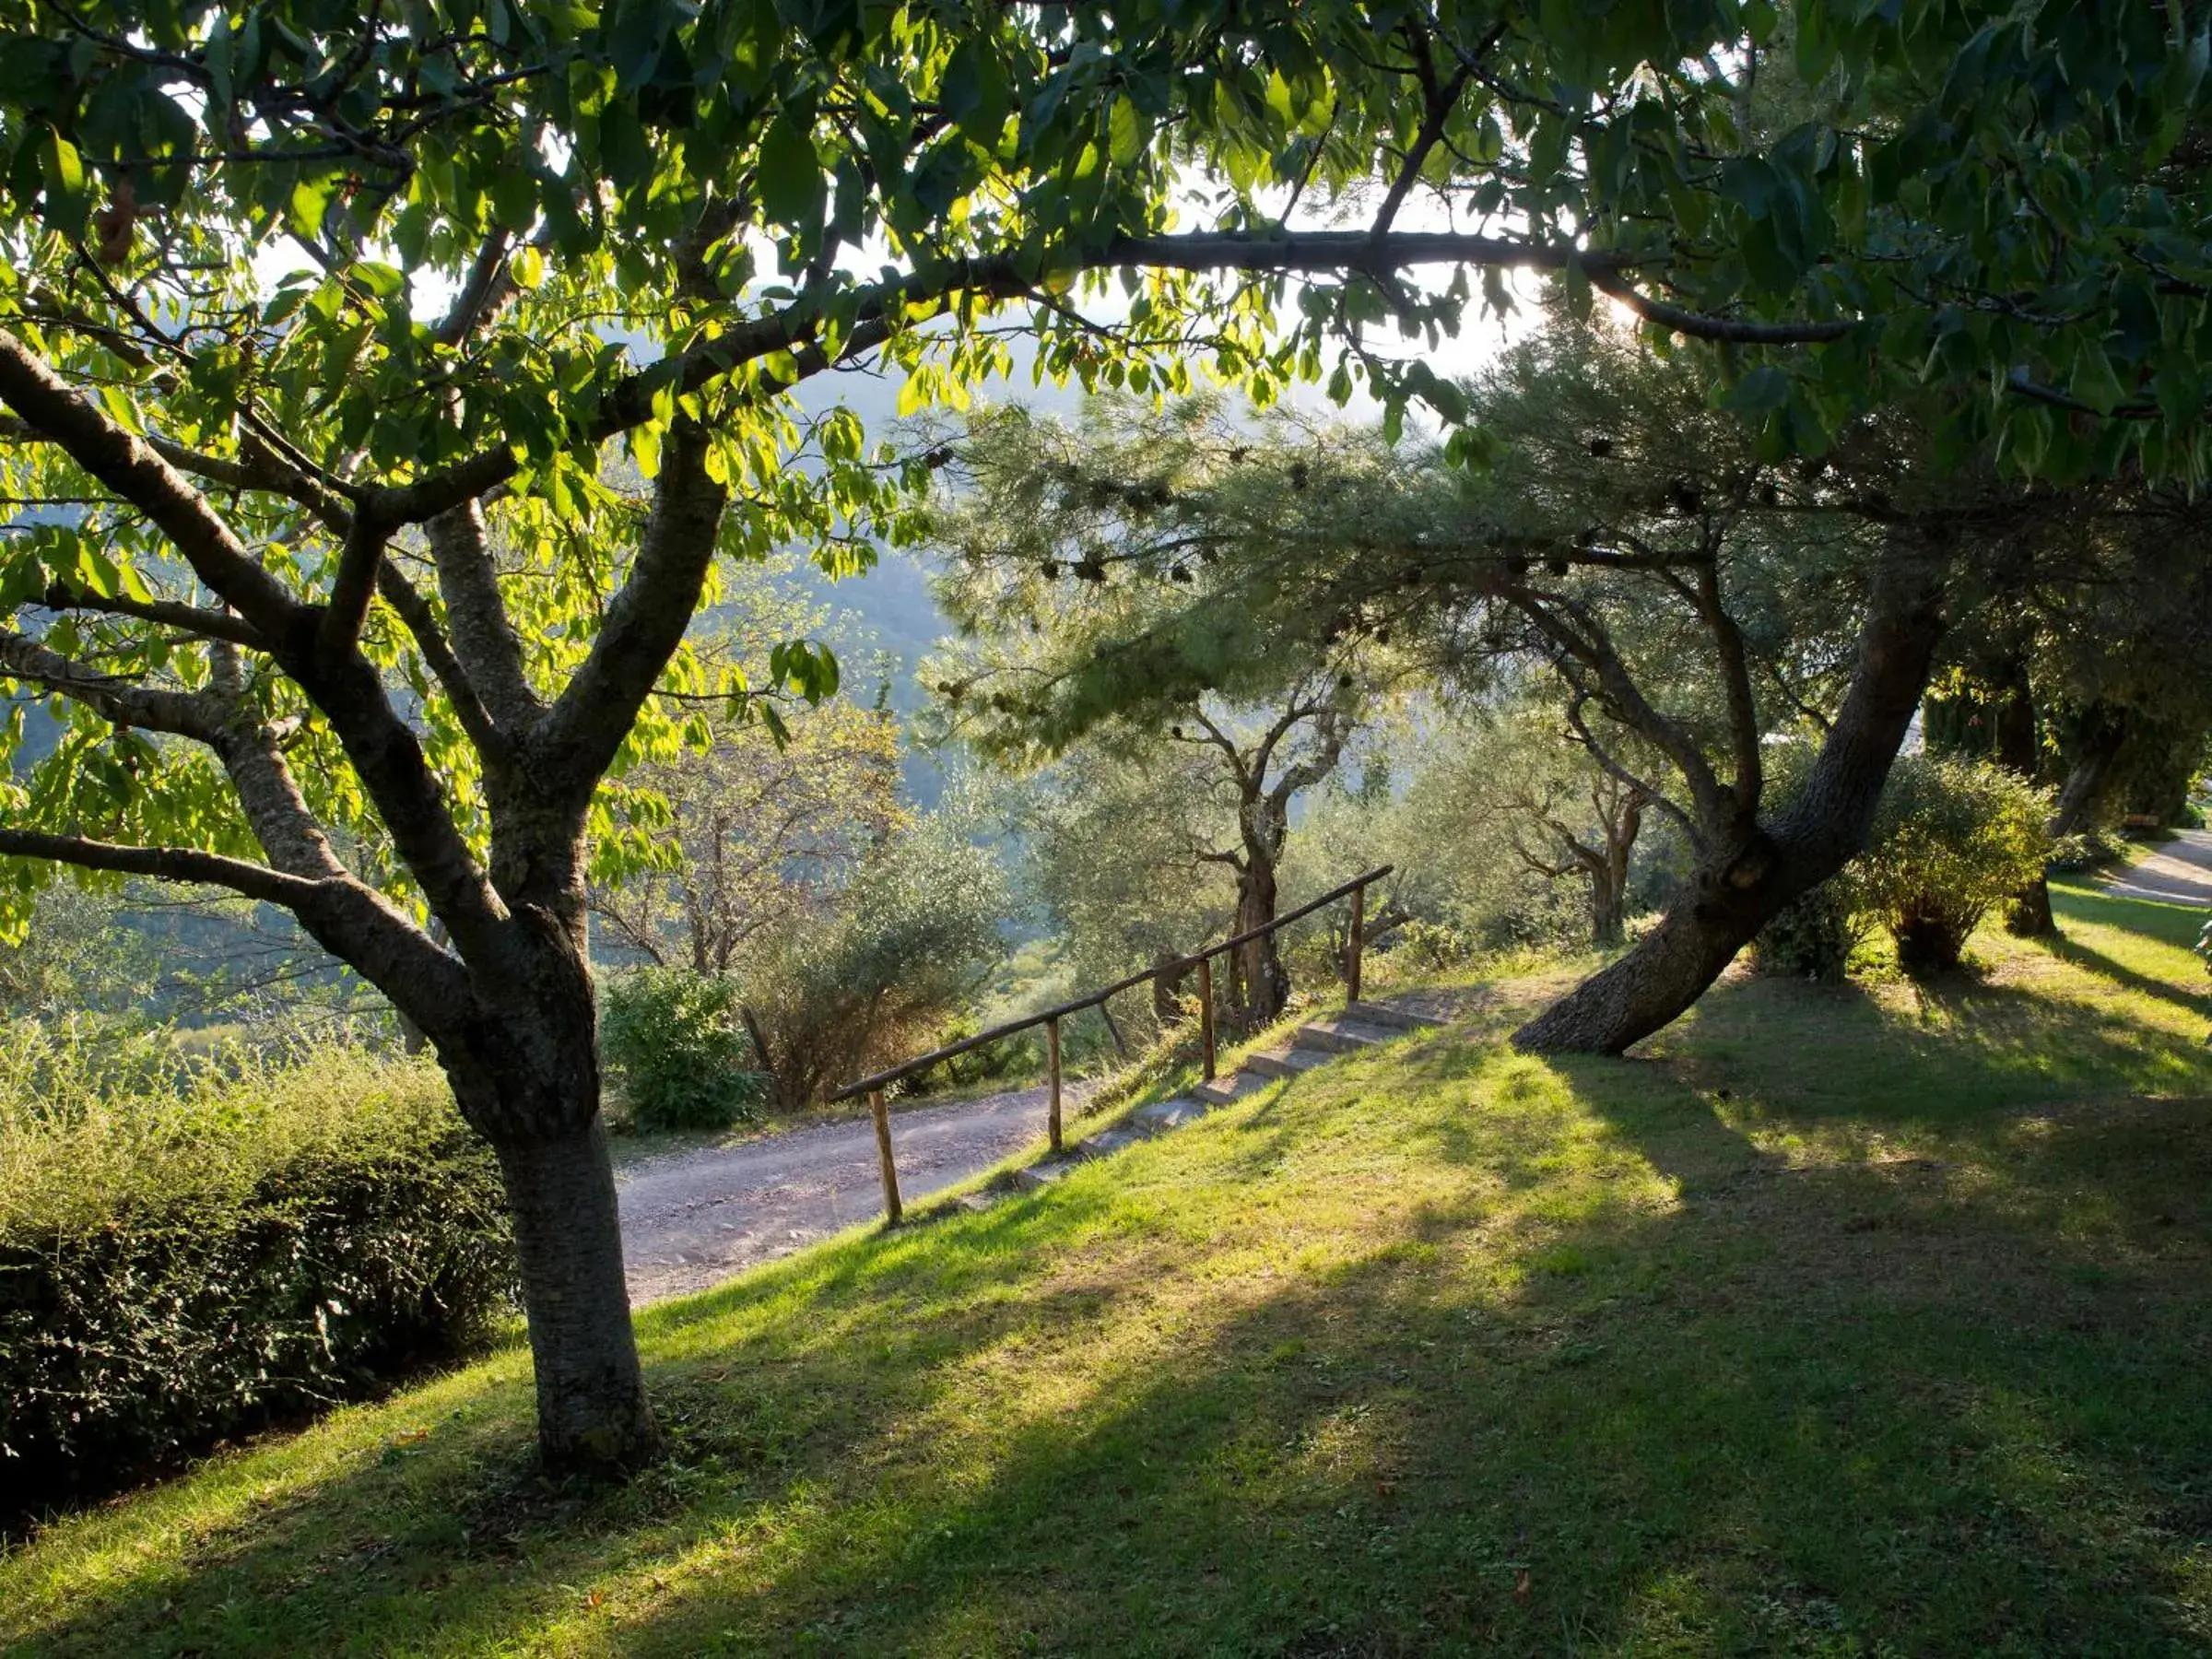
(692, 1219)
(2179, 871)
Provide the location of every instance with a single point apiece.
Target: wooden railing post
(883, 1149)
(1206, 1012)
(1051, 1043)
(1351, 977)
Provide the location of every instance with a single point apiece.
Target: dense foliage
(1954, 838)
(679, 1057)
(1813, 935)
(186, 1255)
(879, 964)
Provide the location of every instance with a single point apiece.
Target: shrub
(1952, 837)
(1813, 935)
(200, 1257)
(885, 960)
(679, 1058)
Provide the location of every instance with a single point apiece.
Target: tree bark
(1606, 906)
(1167, 993)
(2102, 735)
(1264, 987)
(592, 1411)
(1752, 870)
(2029, 913)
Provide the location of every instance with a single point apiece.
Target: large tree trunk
(1748, 876)
(591, 1412)
(525, 1067)
(1264, 987)
(2101, 733)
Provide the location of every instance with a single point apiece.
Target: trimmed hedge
(216, 1249)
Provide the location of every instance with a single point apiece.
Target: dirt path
(691, 1219)
(2179, 871)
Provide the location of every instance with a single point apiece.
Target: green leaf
(1759, 392)
(68, 201)
(2093, 381)
(790, 183)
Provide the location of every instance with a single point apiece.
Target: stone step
(1284, 1062)
(1108, 1142)
(1338, 1035)
(1391, 1015)
(1036, 1177)
(1164, 1115)
(977, 1203)
(1235, 1086)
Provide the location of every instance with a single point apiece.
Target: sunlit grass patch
(1848, 1322)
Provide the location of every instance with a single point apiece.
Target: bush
(887, 960)
(199, 1257)
(1813, 935)
(678, 1057)
(1953, 837)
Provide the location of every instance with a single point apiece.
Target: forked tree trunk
(1609, 872)
(1607, 905)
(2103, 733)
(1264, 987)
(591, 1412)
(1746, 877)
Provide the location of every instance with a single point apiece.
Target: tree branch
(413, 611)
(169, 864)
(645, 621)
(191, 619)
(484, 642)
(127, 465)
(124, 703)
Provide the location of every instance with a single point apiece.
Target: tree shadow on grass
(1738, 1405)
(1975, 1052)
(1798, 1409)
(2096, 962)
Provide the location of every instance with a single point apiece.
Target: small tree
(761, 824)
(1055, 652)
(873, 965)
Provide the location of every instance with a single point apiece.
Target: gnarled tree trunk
(2101, 733)
(1751, 870)
(1263, 985)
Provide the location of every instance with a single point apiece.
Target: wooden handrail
(884, 1080)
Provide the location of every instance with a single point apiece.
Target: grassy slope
(1855, 1321)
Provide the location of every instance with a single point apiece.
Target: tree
(760, 828)
(2092, 673)
(1691, 598)
(849, 985)
(1568, 816)
(1041, 661)
(349, 618)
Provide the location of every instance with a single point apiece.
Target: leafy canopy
(354, 270)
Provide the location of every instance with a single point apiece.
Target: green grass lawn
(1872, 1321)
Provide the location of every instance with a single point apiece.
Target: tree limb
(484, 642)
(645, 621)
(128, 465)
